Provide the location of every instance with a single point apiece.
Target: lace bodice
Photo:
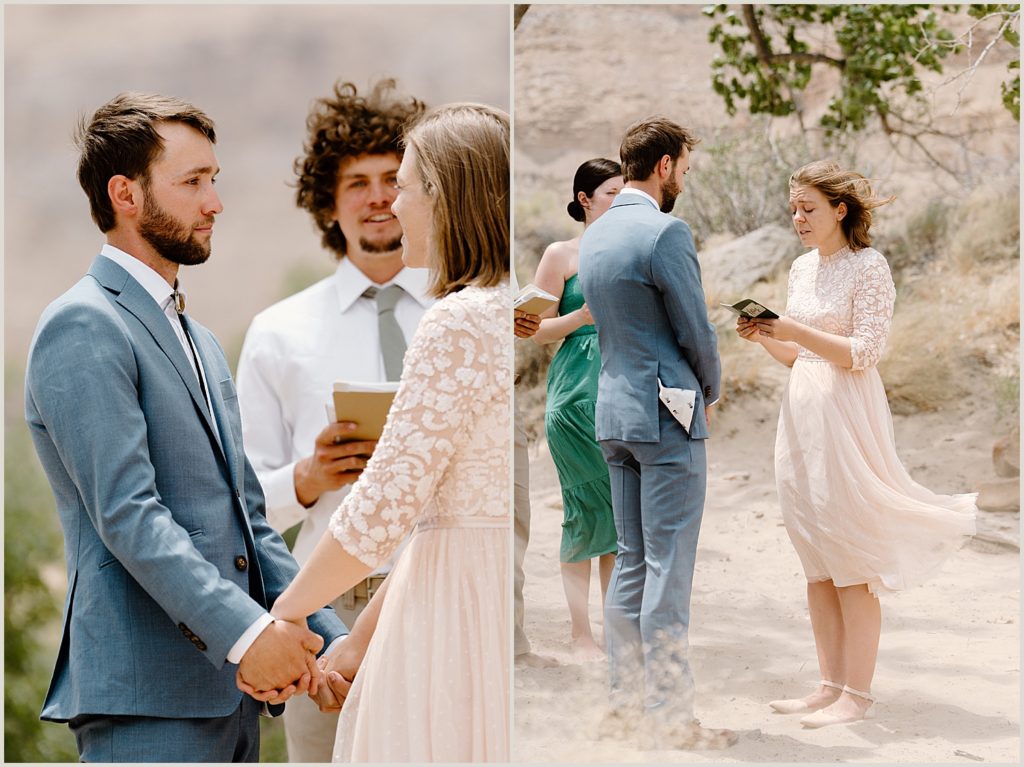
(849, 293)
(444, 452)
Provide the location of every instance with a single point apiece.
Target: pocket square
(680, 403)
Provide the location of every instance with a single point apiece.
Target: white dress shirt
(163, 294)
(293, 353)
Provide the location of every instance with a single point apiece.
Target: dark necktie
(392, 340)
(179, 307)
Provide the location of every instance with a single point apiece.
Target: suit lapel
(134, 298)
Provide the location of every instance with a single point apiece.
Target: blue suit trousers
(658, 491)
(231, 738)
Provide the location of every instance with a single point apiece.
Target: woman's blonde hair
(846, 186)
(462, 154)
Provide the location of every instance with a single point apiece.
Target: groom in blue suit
(641, 279)
(171, 563)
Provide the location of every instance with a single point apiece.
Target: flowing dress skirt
(852, 511)
(434, 685)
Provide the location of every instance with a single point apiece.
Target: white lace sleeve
(873, 297)
(448, 370)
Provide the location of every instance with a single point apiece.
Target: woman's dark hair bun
(589, 176)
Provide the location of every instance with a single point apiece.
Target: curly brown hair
(341, 126)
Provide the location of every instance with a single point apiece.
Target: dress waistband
(434, 523)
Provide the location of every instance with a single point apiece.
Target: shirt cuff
(283, 508)
(241, 647)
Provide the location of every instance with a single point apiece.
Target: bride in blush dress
(860, 525)
(433, 685)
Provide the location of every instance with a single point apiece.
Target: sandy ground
(948, 672)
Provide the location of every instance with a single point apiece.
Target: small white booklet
(366, 404)
(533, 300)
(680, 403)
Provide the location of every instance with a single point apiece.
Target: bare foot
(533, 660)
(586, 649)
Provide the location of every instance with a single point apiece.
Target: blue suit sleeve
(676, 272)
(276, 562)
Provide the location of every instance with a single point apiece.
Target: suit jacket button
(241, 563)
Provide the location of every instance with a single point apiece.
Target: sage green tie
(392, 340)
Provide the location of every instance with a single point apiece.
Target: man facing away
(641, 279)
(171, 563)
(353, 325)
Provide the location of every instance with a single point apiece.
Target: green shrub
(32, 543)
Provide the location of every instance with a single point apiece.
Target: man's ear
(664, 167)
(125, 195)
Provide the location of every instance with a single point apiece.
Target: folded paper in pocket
(680, 403)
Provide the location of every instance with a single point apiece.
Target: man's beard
(169, 237)
(669, 192)
(387, 246)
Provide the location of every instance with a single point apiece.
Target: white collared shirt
(163, 294)
(293, 353)
(641, 192)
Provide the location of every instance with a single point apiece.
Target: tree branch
(765, 55)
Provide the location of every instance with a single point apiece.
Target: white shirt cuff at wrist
(241, 647)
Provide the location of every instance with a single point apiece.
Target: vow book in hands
(533, 300)
(366, 404)
(751, 310)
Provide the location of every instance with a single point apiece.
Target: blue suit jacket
(641, 281)
(169, 554)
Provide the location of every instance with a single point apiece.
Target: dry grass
(956, 332)
(987, 227)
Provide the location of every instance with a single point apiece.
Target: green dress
(588, 529)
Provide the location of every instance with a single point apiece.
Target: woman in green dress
(588, 530)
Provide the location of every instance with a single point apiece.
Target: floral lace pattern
(444, 452)
(849, 293)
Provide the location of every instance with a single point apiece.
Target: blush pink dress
(434, 685)
(852, 511)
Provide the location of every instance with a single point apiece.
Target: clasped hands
(282, 662)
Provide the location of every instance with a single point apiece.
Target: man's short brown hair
(341, 126)
(647, 141)
(121, 139)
